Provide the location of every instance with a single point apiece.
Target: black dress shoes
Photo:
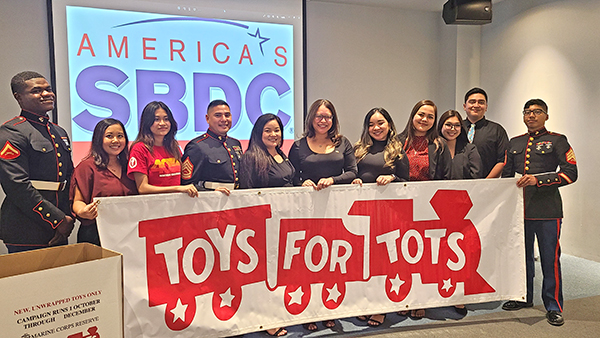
(513, 305)
(555, 318)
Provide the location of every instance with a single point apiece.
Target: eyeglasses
(323, 117)
(537, 112)
(452, 126)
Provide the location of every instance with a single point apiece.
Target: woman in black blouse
(322, 157)
(466, 162)
(379, 152)
(264, 164)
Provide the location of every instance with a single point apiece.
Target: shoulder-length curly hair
(334, 132)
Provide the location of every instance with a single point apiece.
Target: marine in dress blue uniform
(537, 155)
(35, 170)
(213, 158)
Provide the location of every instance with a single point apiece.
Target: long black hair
(145, 134)
(256, 161)
(97, 151)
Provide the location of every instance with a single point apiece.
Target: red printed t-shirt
(161, 168)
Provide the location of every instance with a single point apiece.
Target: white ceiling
(423, 5)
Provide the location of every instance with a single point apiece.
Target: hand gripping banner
(221, 265)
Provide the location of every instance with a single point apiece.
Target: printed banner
(221, 265)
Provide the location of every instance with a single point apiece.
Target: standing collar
(43, 119)
(538, 132)
(216, 136)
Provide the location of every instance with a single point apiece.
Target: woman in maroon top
(427, 153)
(102, 173)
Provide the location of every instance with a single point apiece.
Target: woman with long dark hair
(427, 153)
(102, 173)
(155, 159)
(263, 163)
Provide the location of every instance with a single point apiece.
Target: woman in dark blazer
(466, 162)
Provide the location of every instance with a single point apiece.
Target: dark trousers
(12, 248)
(548, 235)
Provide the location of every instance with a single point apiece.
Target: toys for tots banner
(218, 265)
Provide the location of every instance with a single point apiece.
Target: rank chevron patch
(571, 156)
(9, 152)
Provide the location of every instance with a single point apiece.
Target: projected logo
(121, 60)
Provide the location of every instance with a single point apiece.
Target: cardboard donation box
(73, 291)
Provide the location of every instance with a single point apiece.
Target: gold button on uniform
(528, 149)
(56, 145)
(526, 168)
(53, 136)
(40, 208)
(526, 162)
(60, 164)
(47, 215)
(58, 154)
(55, 221)
(43, 149)
(528, 156)
(530, 143)
(60, 173)
(218, 161)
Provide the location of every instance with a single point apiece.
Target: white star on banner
(334, 294)
(296, 296)
(179, 311)
(226, 298)
(447, 285)
(396, 284)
